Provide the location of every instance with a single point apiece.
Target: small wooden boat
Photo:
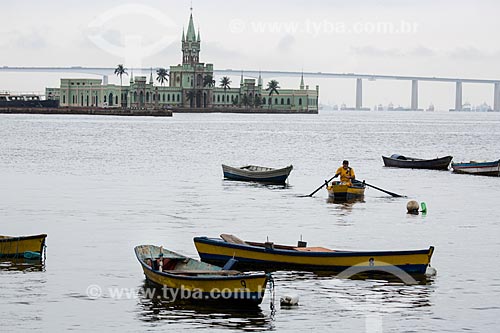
(199, 281)
(270, 257)
(27, 247)
(342, 192)
(254, 173)
(400, 161)
(478, 168)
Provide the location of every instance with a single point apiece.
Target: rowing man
(346, 174)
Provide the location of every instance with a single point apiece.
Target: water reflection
(362, 296)
(380, 296)
(288, 276)
(344, 202)
(229, 184)
(21, 264)
(155, 308)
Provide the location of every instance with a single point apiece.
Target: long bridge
(105, 71)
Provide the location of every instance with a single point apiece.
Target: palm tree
(162, 75)
(224, 83)
(190, 95)
(208, 80)
(272, 87)
(120, 70)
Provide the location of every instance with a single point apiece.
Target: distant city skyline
(421, 38)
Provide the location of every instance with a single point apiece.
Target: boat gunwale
(17, 238)
(245, 169)
(204, 277)
(440, 163)
(293, 252)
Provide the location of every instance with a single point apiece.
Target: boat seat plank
(232, 239)
(313, 249)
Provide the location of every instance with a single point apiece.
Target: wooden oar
(319, 188)
(380, 189)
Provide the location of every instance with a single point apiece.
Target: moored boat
(341, 192)
(27, 247)
(199, 281)
(256, 173)
(478, 168)
(400, 161)
(271, 257)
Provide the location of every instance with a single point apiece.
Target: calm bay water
(98, 186)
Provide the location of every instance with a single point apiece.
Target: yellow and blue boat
(272, 257)
(199, 281)
(343, 192)
(27, 247)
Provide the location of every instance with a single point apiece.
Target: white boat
(257, 173)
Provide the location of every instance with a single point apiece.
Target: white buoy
(430, 271)
(289, 300)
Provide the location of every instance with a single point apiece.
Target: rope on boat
(272, 293)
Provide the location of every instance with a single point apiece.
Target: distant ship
(26, 101)
(430, 108)
(467, 107)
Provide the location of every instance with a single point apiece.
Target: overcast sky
(424, 37)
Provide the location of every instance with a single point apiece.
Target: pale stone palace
(187, 89)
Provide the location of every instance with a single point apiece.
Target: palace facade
(191, 86)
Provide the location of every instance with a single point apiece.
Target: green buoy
(423, 207)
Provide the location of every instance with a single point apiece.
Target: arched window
(264, 100)
(223, 98)
(164, 97)
(116, 99)
(300, 101)
(276, 100)
(270, 101)
(288, 101)
(218, 98)
(147, 97)
(135, 96)
(178, 98)
(154, 97)
(168, 98)
(104, 99)
(64, 99)
(282, 101)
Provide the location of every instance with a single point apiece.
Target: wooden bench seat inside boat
(232, 239)
(313, 249)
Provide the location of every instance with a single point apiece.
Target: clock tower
(190, 45)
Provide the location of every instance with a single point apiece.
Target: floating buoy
(412, 207)
(430, 271)
(423, 207)
(289, 300)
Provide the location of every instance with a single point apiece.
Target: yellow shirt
(344, 173)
